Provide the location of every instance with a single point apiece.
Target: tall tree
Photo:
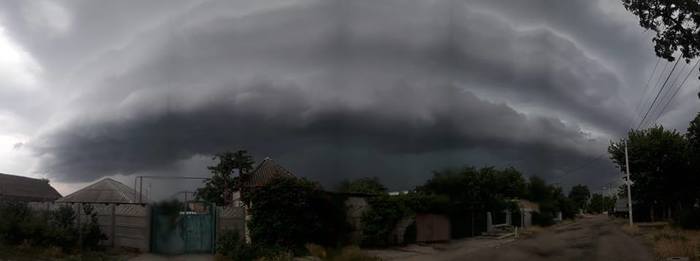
(658, 160)
(579, 194)
(693, 137)
(675, 22)
(220, 187)
(363, 185)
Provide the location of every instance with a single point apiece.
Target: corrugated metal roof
(26, 189)
(104, 191)
(266, 171)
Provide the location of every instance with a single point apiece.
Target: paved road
(590, 238)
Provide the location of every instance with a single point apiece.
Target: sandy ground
(589, 238)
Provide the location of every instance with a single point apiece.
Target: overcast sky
(329, 89)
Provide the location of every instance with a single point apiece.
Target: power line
(646, 88)
(677, 89)
(672, 85)
(658, 93)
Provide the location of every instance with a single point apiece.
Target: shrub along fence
(124, 225)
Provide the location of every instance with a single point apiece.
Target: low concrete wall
(355, 208)
(231, 218)
(125, 225)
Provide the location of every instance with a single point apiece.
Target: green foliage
(220, 187)
(543, 218)
(689, 218)
(230, 245)
(469, 188)
(19, 224)
(381, 219)
(14, 227)
(579, 194)
(659, 160)
(600, 203)
(567, 207)
(90, 230)
(363, 185)
(675, 22)
(290, 212)
(386, 211)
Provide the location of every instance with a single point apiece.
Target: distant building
(18, 188)
(621, 205)
(265, 172)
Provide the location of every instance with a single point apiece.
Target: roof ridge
(20, 176)
(116, 186)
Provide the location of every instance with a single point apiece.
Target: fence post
(489, 222)
(114, 225)
(80, 227)
(508, 218)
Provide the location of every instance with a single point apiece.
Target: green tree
(659, 164)
(290, 212)
(220, 187)
(579, 194)
(675, 23)
(693, 138)
(363, 185)
(597, 204)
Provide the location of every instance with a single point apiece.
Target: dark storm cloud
(276, 120)
(333, 89)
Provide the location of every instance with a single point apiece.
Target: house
(18, 188)
(105, 191)
(265, 172)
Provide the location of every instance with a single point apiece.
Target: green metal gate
(182, 232)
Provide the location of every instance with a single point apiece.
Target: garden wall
(231, 218)
(125, 225)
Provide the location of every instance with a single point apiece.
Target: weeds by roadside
(668, 242)
(26, 252)
(349, 253)
(632, 230)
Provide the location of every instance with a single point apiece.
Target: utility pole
(629, 184)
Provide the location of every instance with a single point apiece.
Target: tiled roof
(104, 191)
(266, 171)
(26, 189)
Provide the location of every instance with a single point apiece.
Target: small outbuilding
(18, 188)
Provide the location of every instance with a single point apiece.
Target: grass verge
(668, 242)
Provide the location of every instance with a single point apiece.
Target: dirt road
(591, 238)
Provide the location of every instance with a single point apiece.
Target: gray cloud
(333, 89)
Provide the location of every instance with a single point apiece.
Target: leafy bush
(689, 218)
(231, 246)
(92, 235)
(14, 228)
(20, 225)
(379, 221)
(290, 212)
(542, 219)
